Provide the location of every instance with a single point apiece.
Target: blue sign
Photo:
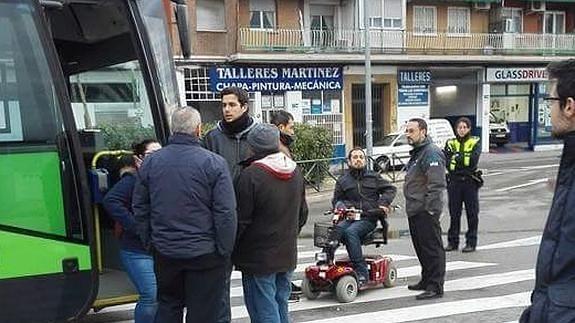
(277, 79)
(412, 95)
(414, 77)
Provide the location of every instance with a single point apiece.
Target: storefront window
(323, 108)
(543, 126)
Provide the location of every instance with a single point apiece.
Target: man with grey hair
(185, 210)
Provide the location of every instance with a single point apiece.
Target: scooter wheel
(308, 290)
(391, 277)
(346, 289)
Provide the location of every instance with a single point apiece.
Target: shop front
(312, 94)
(516, 99)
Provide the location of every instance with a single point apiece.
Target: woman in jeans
(136, 261)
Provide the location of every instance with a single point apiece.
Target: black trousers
(195, 283)
(426, 237)
(463, 190)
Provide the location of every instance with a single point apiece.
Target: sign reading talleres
(277, 79)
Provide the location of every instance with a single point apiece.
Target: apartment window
(554, 22)
(458, 20)
(513, 20)
(385, 13)
(425, 20)
(262, 14)
(211, 15)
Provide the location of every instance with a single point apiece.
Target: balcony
(405, 42)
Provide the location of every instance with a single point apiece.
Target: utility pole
(368, 115)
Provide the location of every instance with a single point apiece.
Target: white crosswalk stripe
(467, 290)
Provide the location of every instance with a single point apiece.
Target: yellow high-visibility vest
(455, 146)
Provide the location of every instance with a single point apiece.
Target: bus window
(33, 146)
(112, 100)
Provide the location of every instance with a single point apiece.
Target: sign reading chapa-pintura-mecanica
(277, 79)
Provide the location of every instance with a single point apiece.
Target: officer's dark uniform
(462, 156)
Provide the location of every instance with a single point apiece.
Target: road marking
(540, 166)
(379, 294)
(429, 311)
(452, 265)
(493, 174)
(531, 241)
(301, 267)
(530, 183)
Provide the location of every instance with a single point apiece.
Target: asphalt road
(492, 284)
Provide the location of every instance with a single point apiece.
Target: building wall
(479, 18)
(287, 14)
(219, 43)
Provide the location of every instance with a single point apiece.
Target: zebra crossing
(471, 286)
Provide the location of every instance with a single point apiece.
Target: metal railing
(317, 172)
(402, 42)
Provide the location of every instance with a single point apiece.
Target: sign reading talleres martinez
(277, 79)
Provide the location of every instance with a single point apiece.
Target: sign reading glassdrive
(527, 74)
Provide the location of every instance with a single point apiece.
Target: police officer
(423, 189)
(462, 154)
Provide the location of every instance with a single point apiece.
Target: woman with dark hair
(136, 261)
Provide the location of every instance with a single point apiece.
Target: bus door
(45, 255)
(116, 59)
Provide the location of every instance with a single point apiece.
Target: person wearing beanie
(462, 155)
(229, 140)
(271, 196)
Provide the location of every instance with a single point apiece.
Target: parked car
(499, 133)
(392, 151)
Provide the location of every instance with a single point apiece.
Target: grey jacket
(425, 180)
(233, 147)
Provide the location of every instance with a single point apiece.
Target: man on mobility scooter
(361, 198)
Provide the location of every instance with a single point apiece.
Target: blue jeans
(351, 233)
(266, 297)
(140, 269)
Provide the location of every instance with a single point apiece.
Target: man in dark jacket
(271, 196)
(462, 155)
(229, 140)
(185, 210)
(423, 189)
(552, 299)
(365, 190)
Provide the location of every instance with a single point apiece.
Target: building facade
(430, 58)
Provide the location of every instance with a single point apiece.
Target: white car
(392, 151)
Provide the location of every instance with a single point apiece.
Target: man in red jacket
(270, 194)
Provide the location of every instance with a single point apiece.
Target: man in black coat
(423, 190)
(185, 211)
(270, 194)
(552, 299)
(229, 140)
(364, 190)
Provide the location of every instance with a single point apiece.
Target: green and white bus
(67, 69)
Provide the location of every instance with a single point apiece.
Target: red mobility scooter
(338, 275)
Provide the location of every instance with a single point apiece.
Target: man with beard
(552, 299)
(229, 140)
(423, 189)
(462, 154)
(365, 190)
